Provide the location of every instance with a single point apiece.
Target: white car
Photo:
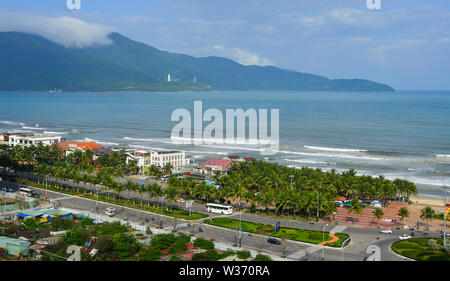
(181, 201)
(110, 211)
(404, 237)
(97, 221)
(387, 231)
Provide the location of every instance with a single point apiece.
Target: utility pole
(445, 215)
(323, 240)
(317, 206)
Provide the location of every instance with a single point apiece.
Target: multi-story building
(176, 158)
(28, 140)
(144, 159)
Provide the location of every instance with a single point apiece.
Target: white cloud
(443, 40)
(241, 56)
(67, 31)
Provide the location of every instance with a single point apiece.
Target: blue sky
(406, 44)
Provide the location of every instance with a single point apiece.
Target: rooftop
(223, 164)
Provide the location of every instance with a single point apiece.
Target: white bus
(25, 191)
(219, 209)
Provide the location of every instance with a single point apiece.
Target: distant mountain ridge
(31, 62)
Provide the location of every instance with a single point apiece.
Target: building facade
(144, 159)
(28, 140)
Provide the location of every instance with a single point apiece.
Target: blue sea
(405, 134)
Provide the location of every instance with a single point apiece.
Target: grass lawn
(302, 235)
(418, 249)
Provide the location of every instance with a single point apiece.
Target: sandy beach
(435, 203)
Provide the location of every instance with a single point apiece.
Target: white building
(144, 159)
(28, 140)
(168, 77)
(176, 158)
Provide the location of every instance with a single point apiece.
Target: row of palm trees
(261, 185)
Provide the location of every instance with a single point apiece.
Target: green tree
(427, 214)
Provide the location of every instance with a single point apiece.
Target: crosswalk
(305, 252)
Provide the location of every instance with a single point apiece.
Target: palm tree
(167, 169)
(403, 213)
(378, 214)
(172, 194)
(355, 207)
(427, 214)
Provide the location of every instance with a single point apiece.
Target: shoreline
(423, 200)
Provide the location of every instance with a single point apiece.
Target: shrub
(175, 258)
(78, 236)
(31, 224)
(243, 254)
(150, 254)
(433, 245)
(202, 257)
(183, 237)
(260, 257)
(178, 246)
(61, 223)
(86, 222)
(163, 241)
(111, 228)
(203, 243)
(105, 245)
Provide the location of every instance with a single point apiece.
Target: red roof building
(212, 165)
(70, 146)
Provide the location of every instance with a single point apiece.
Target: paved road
(361, 238)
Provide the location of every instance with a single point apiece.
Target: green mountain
(31, 62)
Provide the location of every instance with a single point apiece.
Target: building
(144, 159)
(176, 158)
(237, 158)
(210, 166)
(28, 140)
(4, 138)
(69, 147)
(168, 77)
(102, 151)
(44, 215)
(15, 247)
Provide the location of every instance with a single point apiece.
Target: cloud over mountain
(67, 31)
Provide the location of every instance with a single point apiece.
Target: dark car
(35, 195)
(273, 241)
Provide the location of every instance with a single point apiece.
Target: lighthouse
(168, 77)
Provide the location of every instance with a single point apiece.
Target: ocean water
(404, 134)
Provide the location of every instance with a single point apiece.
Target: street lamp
(323, 239)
